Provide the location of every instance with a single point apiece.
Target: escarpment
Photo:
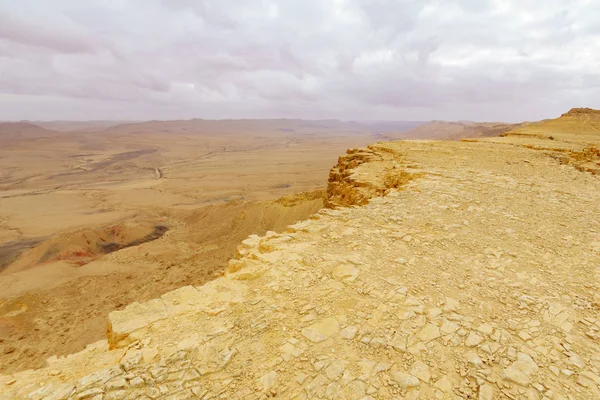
(362, 174)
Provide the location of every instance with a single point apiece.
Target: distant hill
(264, 126)
(23, 130)
(579, 121)
(449, 130)
(80, 126)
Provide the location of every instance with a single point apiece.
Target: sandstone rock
(62, 392)
(42, 393)
(576, 361)
(333, 390)
(525, 336)
(96, 379)
(313, 336)
(131, 360)
(355, 390)
(434, 312)
(116, 384)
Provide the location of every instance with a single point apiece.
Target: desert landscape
(168, 262)
(300, 199)
(96, 216)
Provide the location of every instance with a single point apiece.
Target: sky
(481, 60)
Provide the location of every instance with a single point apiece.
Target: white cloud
(348, 59)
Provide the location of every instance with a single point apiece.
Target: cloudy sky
(348, 59)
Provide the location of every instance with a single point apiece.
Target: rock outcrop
(362, 174)
(477, 278)
(582, 111)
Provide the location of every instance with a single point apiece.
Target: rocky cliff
(446, 270)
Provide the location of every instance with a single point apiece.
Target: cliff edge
(442, 270)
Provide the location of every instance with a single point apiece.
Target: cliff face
(462, 270)
(362, 174)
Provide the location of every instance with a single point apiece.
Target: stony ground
(478, 279)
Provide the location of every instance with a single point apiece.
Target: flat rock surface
(477, 279)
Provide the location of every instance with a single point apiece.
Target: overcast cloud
(348, 59)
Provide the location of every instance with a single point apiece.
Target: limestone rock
(421, 371)
(133, 317)
(267, 381)
(346, 273)
(474, 339)
(322, 330)
(521, 371)
(429, 332)
(404, 380)
(348, 332)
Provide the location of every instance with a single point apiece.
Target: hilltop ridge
(441, 270)
(582, 110)
(23, 130)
